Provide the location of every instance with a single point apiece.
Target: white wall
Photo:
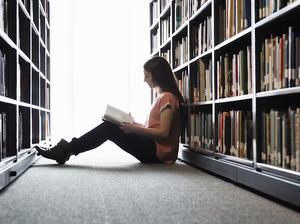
(98, 49)
(61, 22)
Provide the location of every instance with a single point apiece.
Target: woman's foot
(61, 152)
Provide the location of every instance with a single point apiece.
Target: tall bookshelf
(238, 69)
(24, 84)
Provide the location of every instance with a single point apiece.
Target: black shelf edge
(208, 163)
(233, 38)
(286, 191)
(284, 173)
(15, 169)
(278, 14)
(202, 151)
(6, 161)
(235, 159)
(281, 189)
(200, 10)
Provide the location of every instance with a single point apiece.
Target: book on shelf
(234, 133)
(268, 7)
(181, 51)
(183, 85)
(201, 130)
(163, 4)
(165, 29)
(195, 5)
(167, 55)
(279, 59)
(3, 78)
(116, 116)
(201, 39)
(3, 135)
(234, 74)
(48, 130)
(201, 80)
(154, 40)
(280, 143)
(181, 12)
(155, 11)
(234, 17)
(4, 15)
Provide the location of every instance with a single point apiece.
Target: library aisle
(95, 188)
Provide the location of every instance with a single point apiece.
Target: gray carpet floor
(88, 190)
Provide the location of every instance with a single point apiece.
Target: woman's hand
(128, 128)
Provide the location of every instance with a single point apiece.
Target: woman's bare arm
(161, 132)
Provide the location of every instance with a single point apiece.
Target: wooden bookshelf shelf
(24, 85)
(226, 62)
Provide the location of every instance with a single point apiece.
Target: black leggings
(142, 148)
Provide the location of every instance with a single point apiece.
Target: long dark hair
(164, 78)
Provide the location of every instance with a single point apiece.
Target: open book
(116, 115)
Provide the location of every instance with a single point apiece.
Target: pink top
(166, 149)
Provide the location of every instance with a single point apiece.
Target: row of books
(201, 130)
(4, 15)
(163, 4)
(3, 135)
(20, 117)
(183, 85)
(234, 74)
(268, 7)
(155, 11)
(234, 17)
(167, 55)
(24, 83)
(281, 138)
(234, 133)
(165, 29)
(154, 41)
(279, 59)
(48, 125)
(181, 51)
(195, 5)
(3, 75)
(201, 81)
(47, 96)
(181, 12)
(201, 37)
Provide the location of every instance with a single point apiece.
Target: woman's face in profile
(148, 79)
